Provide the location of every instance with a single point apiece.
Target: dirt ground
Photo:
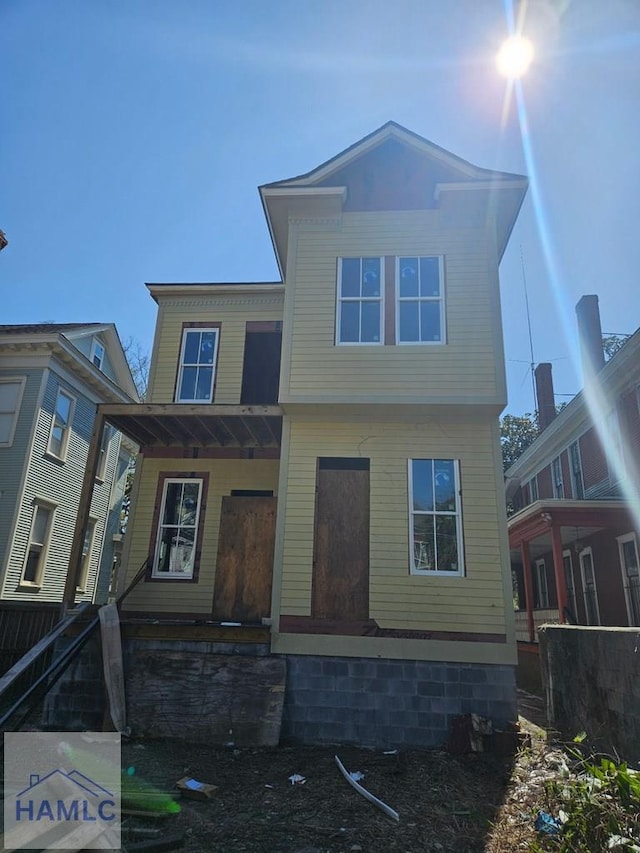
(445, 803)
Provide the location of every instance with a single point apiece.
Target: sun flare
(515, 57)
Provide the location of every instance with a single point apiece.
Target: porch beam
(528, 588)
(558, 568)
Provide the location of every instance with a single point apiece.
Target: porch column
(528, 588)
(558, 567)
(84, 508)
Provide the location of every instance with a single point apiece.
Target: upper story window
(10, 400)
(558, 482)
(176, 540)
(420, 298)
(61, 426)
(360, 301)
(85, 561)
(103, 454)
(435, 517)
(576, 471)
(33, 570)
(97, 353)
(533, 489)
(197, 368)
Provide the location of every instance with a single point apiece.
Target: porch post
(528, 588)
(558, 567)
(84, 508)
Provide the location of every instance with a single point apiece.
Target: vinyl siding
(232, 312)
(474, 603)
(12, 458)
(225, 475)
(59, 483)
(469, 365)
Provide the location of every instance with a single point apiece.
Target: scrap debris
(194, 790)
(366, 794)
(297, 779)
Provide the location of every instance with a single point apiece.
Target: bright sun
(514, 57)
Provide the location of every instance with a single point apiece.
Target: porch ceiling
(536, 520)
(201, 425)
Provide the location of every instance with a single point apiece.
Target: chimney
(544, 395)
(590, 334)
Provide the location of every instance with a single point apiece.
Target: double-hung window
(87, 549)
(541, 593)
(360, 301)
(558, 482)
(36, 558)
(420, 299)
(197, 368)
(176, 540)
(10, 399)
(435, 517)
(61, 426)
(97, 353)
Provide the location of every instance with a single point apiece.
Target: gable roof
(322, 191)
(42, 328)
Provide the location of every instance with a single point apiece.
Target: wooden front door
(340, 586)
(244, 568)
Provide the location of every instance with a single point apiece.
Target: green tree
(612, 343)
(517, 432)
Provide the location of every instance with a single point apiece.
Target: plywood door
(340, 588)
(244, 568)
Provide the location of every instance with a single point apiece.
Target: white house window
(197, 365)
(36, 558)
(177, 530)
(567, 566)
(87, 549)
(533, 489)
(541, 599)
(420, 300)
(10, 400)
(630, 565)
(360, 301)
(589, 588)
(103, 453)
(435, 517)
(97, 353)
(558, 483)
(576, 471)
(61, 426)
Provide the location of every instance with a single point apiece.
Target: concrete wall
(592, 684)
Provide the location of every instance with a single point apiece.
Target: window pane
(164, 549)
(5, 427)
(191, 348)
(430, 321)
(408, 268)
(350, 277)
(203, 385)
(371, 276)
(207, 347)
(587, 564)
(422, 475)
(349, 321)
(181, 554)
(63, 407)
(188, 384)
(370, 321)
(56, 440)
(9, 393)
(40, 525)
(189, 503)
(409, 321)
(630, 558)
(172, 503)
(445, 485)
(447, 543)
(429, 277)
(423, 542)
(31, 569)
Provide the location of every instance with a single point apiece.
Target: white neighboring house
(52, 377)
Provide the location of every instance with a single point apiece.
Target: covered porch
(555, 547)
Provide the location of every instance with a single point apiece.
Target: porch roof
(537, 519)
(197, 425)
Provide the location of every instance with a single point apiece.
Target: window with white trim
(196, 374)
(541, 592)
(630, 565)
(589, 588)
(576, 471)
(558, 482)
(420, 315)
(435, 517)
(533, 489)
(61, 425)
(87, 550)
(176, 538)
(103, 453)
(97, 353)
(36, 558)
(360, 301)
(10, 399)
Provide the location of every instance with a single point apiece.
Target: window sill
(29, 586)
(60, 460)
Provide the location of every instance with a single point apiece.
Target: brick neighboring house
(320, 482)
(574, 535)
(52, 378)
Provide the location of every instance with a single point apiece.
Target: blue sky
(133, 136)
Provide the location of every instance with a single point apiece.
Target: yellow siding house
(320, 479)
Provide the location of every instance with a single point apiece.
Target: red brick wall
(545, 483)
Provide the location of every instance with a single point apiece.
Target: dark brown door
(340, 587)
(244, 568)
